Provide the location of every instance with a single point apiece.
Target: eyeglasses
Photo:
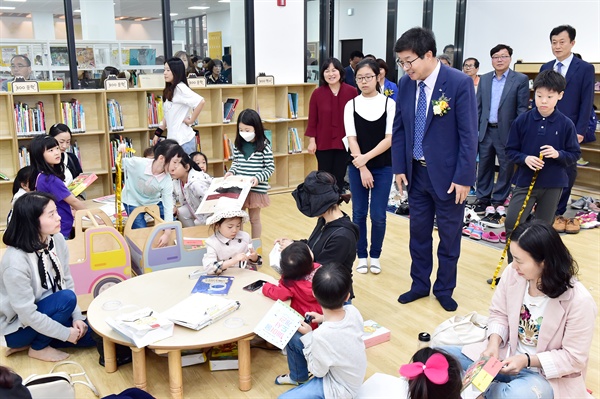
(18, 66)
(365, 78)
(500, 57)
(468, 66)
(405, 64)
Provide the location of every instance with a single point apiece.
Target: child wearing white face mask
(252, 156)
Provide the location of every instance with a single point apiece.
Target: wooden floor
(376, 298)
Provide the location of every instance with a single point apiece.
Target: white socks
(375, 266)
(362, 267)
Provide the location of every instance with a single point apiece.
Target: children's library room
(299, 199)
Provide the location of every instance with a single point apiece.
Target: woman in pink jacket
(541, 321)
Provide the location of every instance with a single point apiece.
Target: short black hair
(336, 64)
(499, 47)
(559, 29)
(22, 177)
(296, 261)
(418, 40)
(356, 53)
(186, 160)
(421, 387)
(445, 58)
(370, 56)
(165, 148)
(383, 65)
(27, 60)
(551, 80)
(543, 244)
(475, 61)
(447, 46)
(37, 148)
(331, 285)
(373, 66)
(227, 59)
(193, 155)
(59, 128)
(23, 231)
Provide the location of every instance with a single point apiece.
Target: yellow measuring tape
(497, 271)
(118, 189)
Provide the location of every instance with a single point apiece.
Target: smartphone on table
(255, 285)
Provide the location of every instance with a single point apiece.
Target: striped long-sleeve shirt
(259, 165)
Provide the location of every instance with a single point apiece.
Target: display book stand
(588, 177)
(94, 144)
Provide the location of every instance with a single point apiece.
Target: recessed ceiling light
(7, 8)
(198, 8)
(173, 14)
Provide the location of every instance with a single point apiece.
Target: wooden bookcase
(588, 177)
(270, 101)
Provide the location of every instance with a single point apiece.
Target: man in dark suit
(578, 97)
(502, 95)
(434, 146)
(355, 57)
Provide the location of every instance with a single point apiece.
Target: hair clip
(435, 369)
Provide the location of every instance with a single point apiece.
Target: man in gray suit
(502, 95)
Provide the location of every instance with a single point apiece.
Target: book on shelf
(481, 373)
(225, 193)
(74, 149)
(198, 311)
(155, 110)
(114, 148)
(198, 143)
(189, 357)
(143, 327)
(269, 136)
(229, 109)
(213, 285)
(224, 357)
(4, 177)
(292, 105)
(374, 333)
(227, 148)
(29, 121)
(294, 143)
(73, 115)
(279, 324)
(24, 159)
(81, 182)
(115, 116)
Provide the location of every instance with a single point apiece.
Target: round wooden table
(163, 289)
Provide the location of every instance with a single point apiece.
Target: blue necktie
(559, 67)
(420, 118)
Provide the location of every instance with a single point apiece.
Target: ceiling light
(15, 1)
(76, 10)
(224, 1)
(198, 8)
(7, 8)
(173, 14)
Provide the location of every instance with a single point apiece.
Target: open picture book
(225, 193)
(200, 310)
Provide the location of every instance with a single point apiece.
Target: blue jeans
(140, 222)
(296, 359)
(382, 182)
(527, 384)
(190, 146)
(59, 307)
(313, 389)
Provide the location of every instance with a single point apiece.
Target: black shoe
(479, 206)
(489, 280)
(494, 221)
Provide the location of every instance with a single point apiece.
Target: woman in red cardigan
(326, 120)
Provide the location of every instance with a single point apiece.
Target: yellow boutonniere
(388, 92)
(441, 106)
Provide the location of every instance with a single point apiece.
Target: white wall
(525, 26)
(368, 23)
(410, 14)
(444, 18)
(312, 21)
(220, 22)
(279, 40)
(146, 30)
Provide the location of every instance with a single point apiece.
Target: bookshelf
(588, 177)
(94, 143)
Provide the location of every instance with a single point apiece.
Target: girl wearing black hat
(335, 236)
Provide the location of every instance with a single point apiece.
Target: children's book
(81, 182)
(143, 327)
(481, 373)
(213, 285)
(224, 357)
(107, 199)
(279, 324)
(225, 193)
(275, 258)
(200, 310)
(193, 243)
(374, 333)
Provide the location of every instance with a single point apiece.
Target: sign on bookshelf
(265, 80)
(195, 82)
(114, 83)
(20, 85)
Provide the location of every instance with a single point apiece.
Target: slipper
(490, 236)
(502, 237)
(375, 269)
(476, 233)
(363, 269)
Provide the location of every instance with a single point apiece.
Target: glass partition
(444, 21)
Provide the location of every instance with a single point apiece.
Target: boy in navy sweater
(543, 130)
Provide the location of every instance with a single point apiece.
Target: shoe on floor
(476, 233)
(573, 226)
(495, 221)
(507, 200)
(580, 203)
(468, 229)
(489, 280)
(582, 162)
(560, 224)
(594, 206)
(470, 216)
(502, 237)
(480, 206)
(285, 379)
(490, 236)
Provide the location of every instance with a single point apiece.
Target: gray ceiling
(123, 8)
